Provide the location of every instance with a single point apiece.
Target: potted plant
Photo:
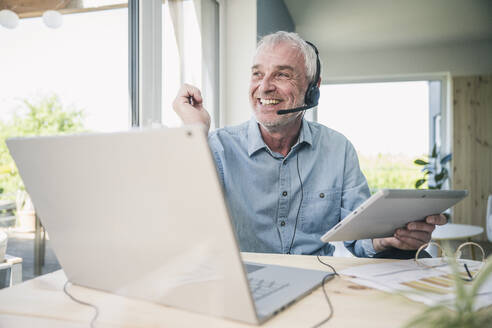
(435, 170)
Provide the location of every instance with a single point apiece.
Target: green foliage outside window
(44, 116)
(389, 171)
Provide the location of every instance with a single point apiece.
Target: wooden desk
(41, 303)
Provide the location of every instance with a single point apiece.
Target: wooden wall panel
(472, 147)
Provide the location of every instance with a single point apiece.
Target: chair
(340, 250)
(488, 218)
(10, 267)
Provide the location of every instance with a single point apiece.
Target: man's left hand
(414, 235)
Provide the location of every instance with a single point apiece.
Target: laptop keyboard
(261, 288)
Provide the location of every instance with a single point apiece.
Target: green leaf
(429, 168)
(420, 162)
(482, 276)
(439, 316)
(419, 182)
(439, 176)
(434, 151)
(446, 159)
(445, 174)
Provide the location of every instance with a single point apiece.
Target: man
(287, 180)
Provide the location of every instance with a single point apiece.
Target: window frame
(145, 63)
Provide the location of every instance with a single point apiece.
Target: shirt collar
(255, 141)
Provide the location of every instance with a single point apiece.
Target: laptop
(389, 209)
(142, 214)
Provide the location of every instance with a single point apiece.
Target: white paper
(419, 283)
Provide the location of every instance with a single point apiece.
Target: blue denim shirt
(264, 192)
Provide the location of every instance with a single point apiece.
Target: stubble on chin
(276, 125)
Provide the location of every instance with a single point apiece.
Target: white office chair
(340, 250)
(489, 218)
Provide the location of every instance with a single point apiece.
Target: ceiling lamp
(52, 18)
(8, 19)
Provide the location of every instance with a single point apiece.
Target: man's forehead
(281, 55)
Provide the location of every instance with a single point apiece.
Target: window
(84, 63)
(190, 35)
(63, 80)
(388, 124)
(83, 67)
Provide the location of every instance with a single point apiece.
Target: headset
(312, 93)
(310, 100)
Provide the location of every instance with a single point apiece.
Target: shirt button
(282, 223)
(284, 193)
(321, 195)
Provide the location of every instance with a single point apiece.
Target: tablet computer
(389, 209)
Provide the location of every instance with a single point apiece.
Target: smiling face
(278, 81)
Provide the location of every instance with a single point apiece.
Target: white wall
(240, 48)
(459, 59)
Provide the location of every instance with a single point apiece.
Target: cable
(93, 321)
(300, 204)
(326, 278)
(328, 265)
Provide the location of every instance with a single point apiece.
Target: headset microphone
(293, 110)
(312, 93)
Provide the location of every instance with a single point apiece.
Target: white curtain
(195, 25)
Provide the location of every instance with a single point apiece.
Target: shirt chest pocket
(320, 211)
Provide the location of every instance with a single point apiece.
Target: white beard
(278, 124)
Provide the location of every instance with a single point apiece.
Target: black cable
(328, 265)
(93, 321)
(300, 204)
(326, 278)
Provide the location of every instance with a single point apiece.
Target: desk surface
(41, 303)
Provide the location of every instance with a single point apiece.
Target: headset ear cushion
(312, 96)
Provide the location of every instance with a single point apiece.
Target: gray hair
(306, 50)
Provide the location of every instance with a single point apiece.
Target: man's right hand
(188, 106)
